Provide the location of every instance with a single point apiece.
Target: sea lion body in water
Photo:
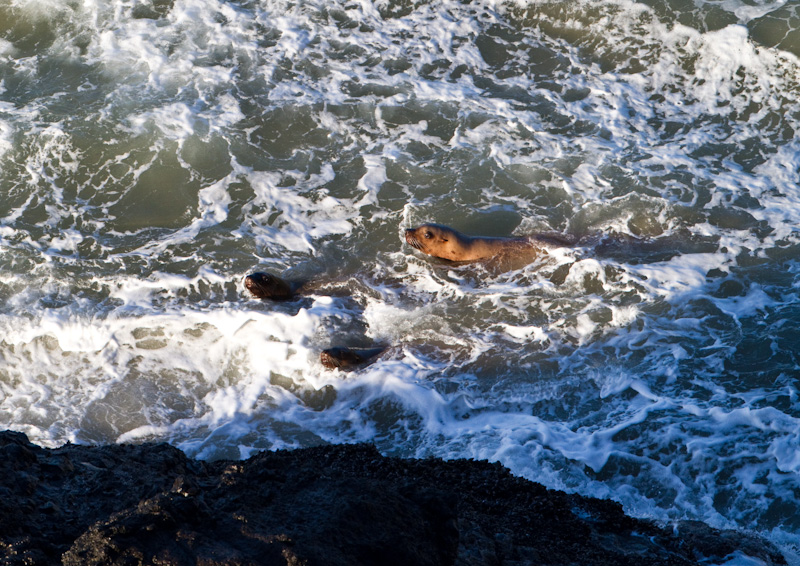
(264, 285)
(345, 358)
(444, 242)
(267, 286)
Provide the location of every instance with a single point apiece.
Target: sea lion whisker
(414, 243)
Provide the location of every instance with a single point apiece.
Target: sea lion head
(437, 240)
(267, 286)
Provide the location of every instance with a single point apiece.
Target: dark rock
(331, 505)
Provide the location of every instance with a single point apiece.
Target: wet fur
(444, 242)
(267, 286)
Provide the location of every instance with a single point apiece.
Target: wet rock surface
(331, 505)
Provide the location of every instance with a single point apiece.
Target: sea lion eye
(428, 235)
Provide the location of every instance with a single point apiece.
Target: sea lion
(345, 358)
(444, 242)
(264, 285)
(268, 286)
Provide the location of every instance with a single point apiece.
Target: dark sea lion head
(267, 286)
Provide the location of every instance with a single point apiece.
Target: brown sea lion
(348, 358)
(444, 242)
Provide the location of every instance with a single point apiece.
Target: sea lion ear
(445, 240)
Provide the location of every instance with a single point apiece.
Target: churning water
(154, 152)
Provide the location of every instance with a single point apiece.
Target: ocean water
(154, 152)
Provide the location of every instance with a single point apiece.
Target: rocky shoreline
(330, 505)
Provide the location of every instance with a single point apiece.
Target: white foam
(526, 333)
(175, 121)
(681, 276)
(6, 132)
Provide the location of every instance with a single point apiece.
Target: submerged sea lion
(345, 358)
(264, 285)
(268, 286)
(444, 242)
